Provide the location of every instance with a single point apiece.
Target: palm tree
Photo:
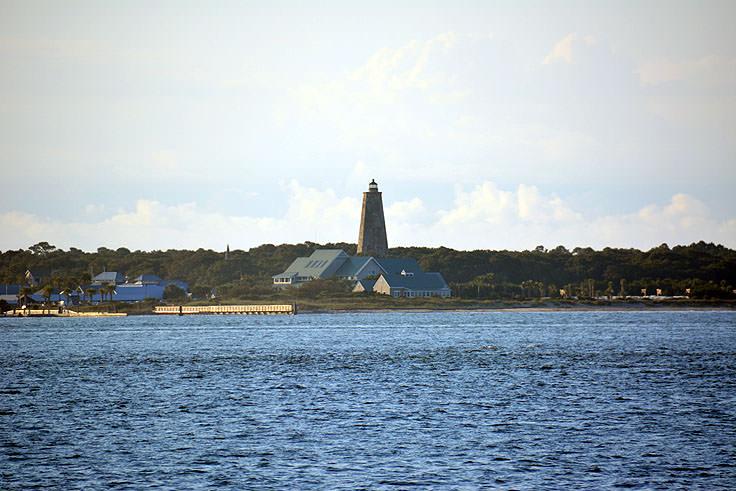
(48, 290)
(528, 287)
(609, 290)
(91, 292)
(110, 289)
(540, 287)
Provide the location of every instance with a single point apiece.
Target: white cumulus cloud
(562, 50)
(482, 217)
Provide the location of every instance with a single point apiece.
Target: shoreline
(522, 307)
(600, 308)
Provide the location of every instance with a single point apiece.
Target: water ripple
(583, 400)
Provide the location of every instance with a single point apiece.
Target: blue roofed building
(143, 287)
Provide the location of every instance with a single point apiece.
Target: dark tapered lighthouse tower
(372, 235)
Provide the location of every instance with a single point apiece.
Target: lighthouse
(372, 235)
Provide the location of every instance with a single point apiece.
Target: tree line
(707, 270)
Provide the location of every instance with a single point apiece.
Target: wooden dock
(226, 309)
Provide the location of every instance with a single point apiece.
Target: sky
(487, 124)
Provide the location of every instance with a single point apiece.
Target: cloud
(683, 220)
(713, 113)
(694, 94)
(324, 209)
(311, 215)
(487, 204)
(709, 70)
(405, 211)
(562, 50)
(164, 161)
(476, 38)
(549, 142)
(487, 217)
(384, 80)
(404, 67)
(484, 217)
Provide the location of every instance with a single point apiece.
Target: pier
(227, 309)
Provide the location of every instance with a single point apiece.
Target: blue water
(513, 400)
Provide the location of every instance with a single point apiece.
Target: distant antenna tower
(372, 236)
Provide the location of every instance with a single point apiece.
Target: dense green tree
(173, 293)
(706, 269)
(42, 248)
(201, 292)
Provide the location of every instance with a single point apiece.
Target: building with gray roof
(326, 263)
(412, 285)
(108, 277)
(397, 276)
(356, 268)
(323, 263)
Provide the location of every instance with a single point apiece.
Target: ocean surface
(462, 400)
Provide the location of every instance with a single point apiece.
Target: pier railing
(226, 309)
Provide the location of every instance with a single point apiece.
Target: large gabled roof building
(397, 276)
(323, 263)
(326, 263)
